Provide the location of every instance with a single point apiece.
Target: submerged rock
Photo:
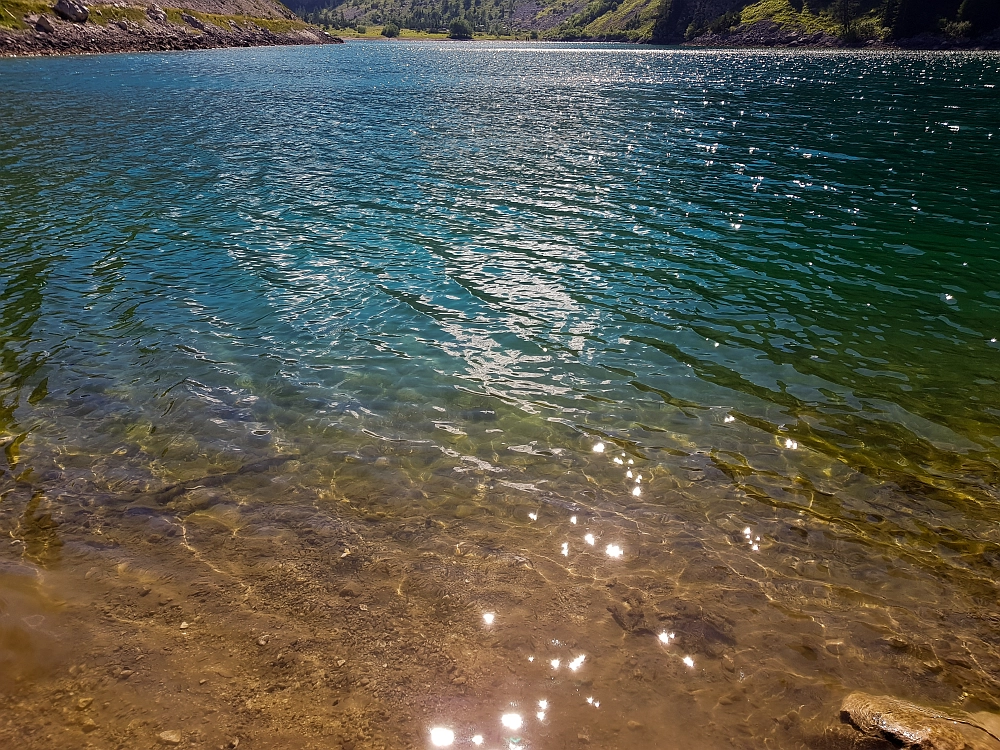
(907, 724)
(170, 737)
(71, 10)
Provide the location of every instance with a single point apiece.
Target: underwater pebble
(170, 737)
(350, 590)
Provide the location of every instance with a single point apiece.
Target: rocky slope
(68, 27)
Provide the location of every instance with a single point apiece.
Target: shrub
(460, 29)
(390, 30)
(361, 29)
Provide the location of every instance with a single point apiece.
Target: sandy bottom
(254, 611)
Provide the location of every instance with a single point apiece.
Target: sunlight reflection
(689, 661)
(589, 539)
(477, 740)
(511, 721)
(599, 448)
(488, 618)
(441, 737)
(577, 662)
(614, 551)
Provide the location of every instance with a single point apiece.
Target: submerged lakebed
(521, 396)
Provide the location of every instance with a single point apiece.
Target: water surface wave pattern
(434, 277)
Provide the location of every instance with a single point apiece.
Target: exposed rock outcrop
(47, 37)
(766, 34)
(71, 10)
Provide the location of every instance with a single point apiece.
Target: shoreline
(148, 34)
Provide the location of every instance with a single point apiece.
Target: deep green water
(771, 280)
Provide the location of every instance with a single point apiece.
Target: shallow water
(312, 350)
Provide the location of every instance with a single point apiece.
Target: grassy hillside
(664, 21)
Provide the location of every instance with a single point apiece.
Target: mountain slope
(672, 21)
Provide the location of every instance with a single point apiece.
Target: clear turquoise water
(771, 280)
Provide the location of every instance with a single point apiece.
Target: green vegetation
(623, 20)
(493, 18)
(660, 21)
(783, 13)
(102, 15)
(460, 28)
(13, 11)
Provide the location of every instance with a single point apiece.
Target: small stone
(458, 681)
(363, 607)
(184, 626)
(202, 681)
(262, 641)
(144, 590)
(170, 737)
(633, 724)
(835, 647)
(341, 662)
(44, 23)
(125, 674)
(84, 703)
(350, 590)
(89, 725)
(583, 738)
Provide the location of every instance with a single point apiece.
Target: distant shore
(114, 30)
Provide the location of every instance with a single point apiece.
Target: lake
(390, 395)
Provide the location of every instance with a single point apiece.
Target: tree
(845, 11)
(984, 15)
(390, 30)
(460, 29)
